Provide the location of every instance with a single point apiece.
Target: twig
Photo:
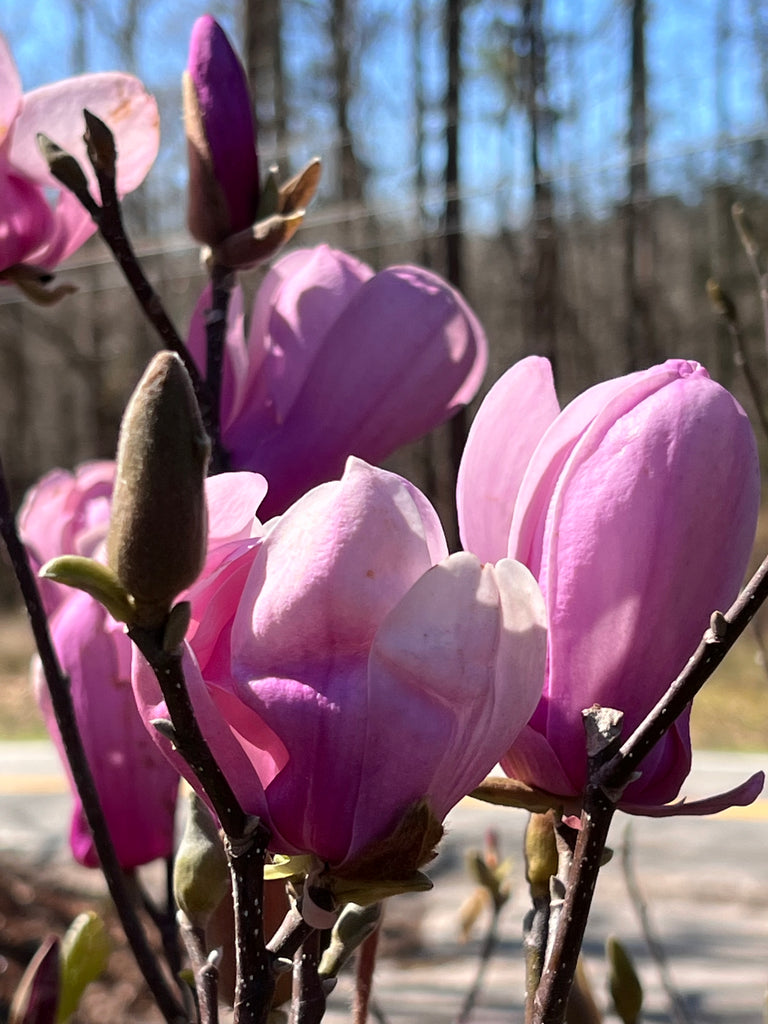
(308, 1002)
(222, 280)
(742, 360)
(205, 970)
(291, 934)
(66, 721)
(487, 950)
(677, 1008)
(246, 838)
(552, 996)
(255, 985)
(715, 644)
(111, 228)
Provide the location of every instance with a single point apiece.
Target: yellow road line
(20, 785)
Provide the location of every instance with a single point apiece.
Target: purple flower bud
(221, 135)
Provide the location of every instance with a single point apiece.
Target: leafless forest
(584, 233)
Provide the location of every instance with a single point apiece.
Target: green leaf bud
(85, 951)
(201, 877)
(626, 990)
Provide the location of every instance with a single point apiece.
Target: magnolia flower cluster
(346, 671)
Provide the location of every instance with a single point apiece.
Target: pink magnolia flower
(635, 508)
(136, 785)
(339, 361)
(32, 231)
(343, 667)
(223, 161)
(68, 513)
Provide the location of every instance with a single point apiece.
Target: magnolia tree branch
(723, 633)
(610, 774)
(246, 838)
(63, 708)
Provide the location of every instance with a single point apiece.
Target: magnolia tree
(302, 647)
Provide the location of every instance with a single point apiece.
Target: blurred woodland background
(570, 166)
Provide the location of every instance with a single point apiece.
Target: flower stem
(552, 996)
(63, 708)
(222, 281)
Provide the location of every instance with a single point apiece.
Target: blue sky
(693, 98)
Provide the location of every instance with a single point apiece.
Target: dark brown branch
(64, 712)
(557, 979)
(187, 735)
(111, 228)
(309, 993)
(255, 985)
(714, 646)
(222, 280)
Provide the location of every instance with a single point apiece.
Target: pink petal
(233, 500)
(249, 766)
(10, 89)
(509, 424)
(741, 796)
(344, 536)
(632, 507)
(532, 760)
(56, 110)
(136, 785)
(26, 222)
(298, 302)
(455, 670)
(397, 362)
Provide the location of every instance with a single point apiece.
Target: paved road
(704, 880)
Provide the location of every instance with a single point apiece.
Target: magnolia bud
(200, 870)
(541, 860)
(65, 168)
(626, 990)
(101, 145)
(355, 923)
(85, 951)
(157, 534)
(37, 995)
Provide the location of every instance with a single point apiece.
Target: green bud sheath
(540, 853)
(157, 534)
(626, 990)
(200, 870)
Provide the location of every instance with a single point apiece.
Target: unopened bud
(157, 533)
(626, 990)
(85, 951)
(721, 302)
(200, 870)
(745, 230)
(354, 925)
(100, 143)
(65, 168)
(541, 859)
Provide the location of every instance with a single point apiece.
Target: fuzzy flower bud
(157, 535)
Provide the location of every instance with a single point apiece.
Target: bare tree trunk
(420, 138)
(454, 240)
(79, 55)
(641, 349)
(544, 277)
(263, 50)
